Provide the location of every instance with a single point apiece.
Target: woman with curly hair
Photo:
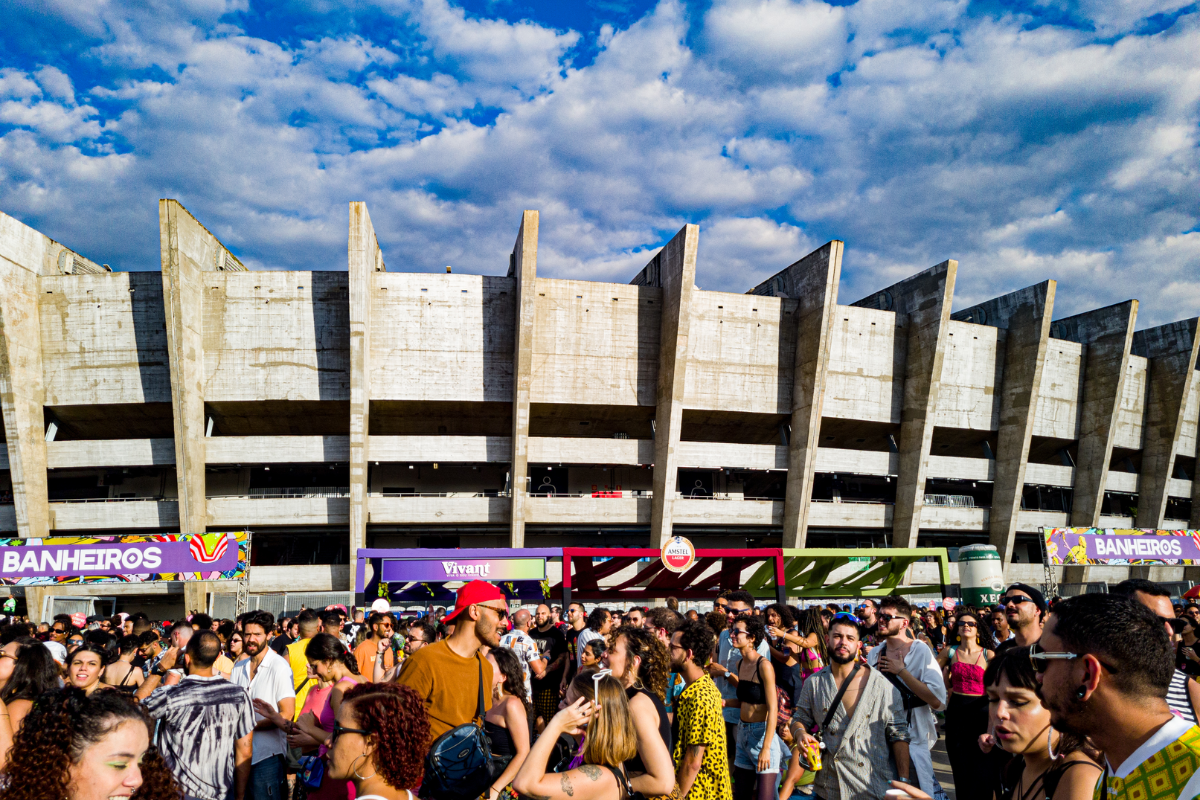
(641, 663)
(507, 721)
(80, 747)
(379, 741)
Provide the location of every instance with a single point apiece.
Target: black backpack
(459, 765)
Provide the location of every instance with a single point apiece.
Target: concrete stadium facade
(328, 411)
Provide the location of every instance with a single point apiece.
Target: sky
(1029, 140)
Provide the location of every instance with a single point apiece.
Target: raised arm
(588, 782)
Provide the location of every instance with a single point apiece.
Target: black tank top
(752, 693)
(500, 738)
(664, 728)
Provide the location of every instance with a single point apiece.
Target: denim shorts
(749, 745)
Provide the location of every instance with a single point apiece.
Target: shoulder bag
(459, 765)
(819, 733)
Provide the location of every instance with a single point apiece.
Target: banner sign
(1072, 546)
(464, 569)
(124, 559)
(678, 555)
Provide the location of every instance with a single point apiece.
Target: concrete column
(195, 597)
(922, 307)
(365, 259)
(1107, 334)
(523, 268)
(673, 270)
(188, 250)
(25, 254)
(1026, 315)
(1172, 351)
(813, 281)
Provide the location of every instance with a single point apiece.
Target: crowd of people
(1092, 696)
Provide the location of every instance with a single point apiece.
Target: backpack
(459, 764)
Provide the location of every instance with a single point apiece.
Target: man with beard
(552, 646)
(866, 735)
(268, 679)
(700, 763)
(1024, 608)
(1104, 663)
(446, 674)
(1183, 698)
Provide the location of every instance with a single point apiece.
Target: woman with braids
(611, 741)
(336, 666)
(640, 662)
(85, 667)
(379, 741)
(33, 673)
(507, 721)
(80, 747)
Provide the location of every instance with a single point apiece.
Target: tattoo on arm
(565, 783)
(591, 771)
(695, 750)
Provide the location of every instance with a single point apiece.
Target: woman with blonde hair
(611, 741)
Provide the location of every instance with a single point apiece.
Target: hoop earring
(364, 777)
(1050, 745)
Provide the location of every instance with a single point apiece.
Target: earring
(1050, 746)
(363, 777)
(1081, 692)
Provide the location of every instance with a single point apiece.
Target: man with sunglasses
(446, 674)
(1183, 698)
(1025, 609)
(1104, 664)
(912, 668)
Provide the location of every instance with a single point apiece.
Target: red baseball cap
(472, 593)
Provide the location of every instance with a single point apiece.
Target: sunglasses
(886, 618)
(596, 682)
(1016, 598)
(967, 624)
(502, 613)
(338, 730)
(846, 615)
(1041, 659)
(413, 639)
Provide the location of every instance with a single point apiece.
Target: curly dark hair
(655, 658)
(394, 716)
(514, 676)
(60, 727)
(34, 672)
(263, 619)
(697, 637)
(754, 627)
(786, 618)
(716, 621)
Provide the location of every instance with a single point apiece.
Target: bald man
(526, 649)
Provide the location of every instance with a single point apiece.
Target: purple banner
(464, 569)
(1140, 547)
(191, 554)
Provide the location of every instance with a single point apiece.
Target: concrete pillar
(1026, 315)
(195, 597)
(813, 282)
(922, 307)
(523, 268)
(188, 250)
(1171, 350)
(674, 271)
(1107, 334)
(25, 254)
(365, 259)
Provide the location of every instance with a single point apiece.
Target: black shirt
(635, 765)
(550, 644)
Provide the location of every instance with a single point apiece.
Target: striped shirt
(1178, 699)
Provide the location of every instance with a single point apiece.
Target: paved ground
(941, 767)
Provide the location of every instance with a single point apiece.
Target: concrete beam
(188, 250)
(922, 307)
(674, 271)
(523, 269)
(1107, 336)
(1026, 315)
(24, 255)
(1171, 350)
(813, 281)
(365, 259)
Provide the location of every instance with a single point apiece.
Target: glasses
(502, 613)
(1016, 598)
(967, 624)
(338, 730)
(886, 618)
(1040, 659)
(413, 639)
(596, 683)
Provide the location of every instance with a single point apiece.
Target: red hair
(394, 717)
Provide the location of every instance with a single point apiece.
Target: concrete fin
(1025, 305)
(523, 265)
(792, 281)
(364, 259)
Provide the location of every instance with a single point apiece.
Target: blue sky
(1028, 140)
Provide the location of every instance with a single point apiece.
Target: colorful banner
(1134, 546)
(464, 569)
(65, 560)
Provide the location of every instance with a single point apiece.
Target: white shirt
(526, 650)
(272, 683)
(57, 650)
(921, 664)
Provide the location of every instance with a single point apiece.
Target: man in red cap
(446, 674)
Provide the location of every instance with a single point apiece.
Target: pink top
(966, 678)
(326, 715)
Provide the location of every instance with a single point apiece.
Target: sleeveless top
(500, 738)
(1049, 779)
(810, 664)
(326, 715)
(1178, 699)
(664, 727)
(751, 691)
(966, 678)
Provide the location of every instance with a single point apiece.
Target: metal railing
(300, 491)
(950, 500)
(861, 501)
(723, 496)
(115, 500)
(439, 494)
(601, 494)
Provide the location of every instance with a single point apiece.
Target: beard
(251, 648)
(837, 658)
(1068, 715)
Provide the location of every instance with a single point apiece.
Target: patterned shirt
(1165, 767)
(526, 650)
(201, 721)
(698, 712)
